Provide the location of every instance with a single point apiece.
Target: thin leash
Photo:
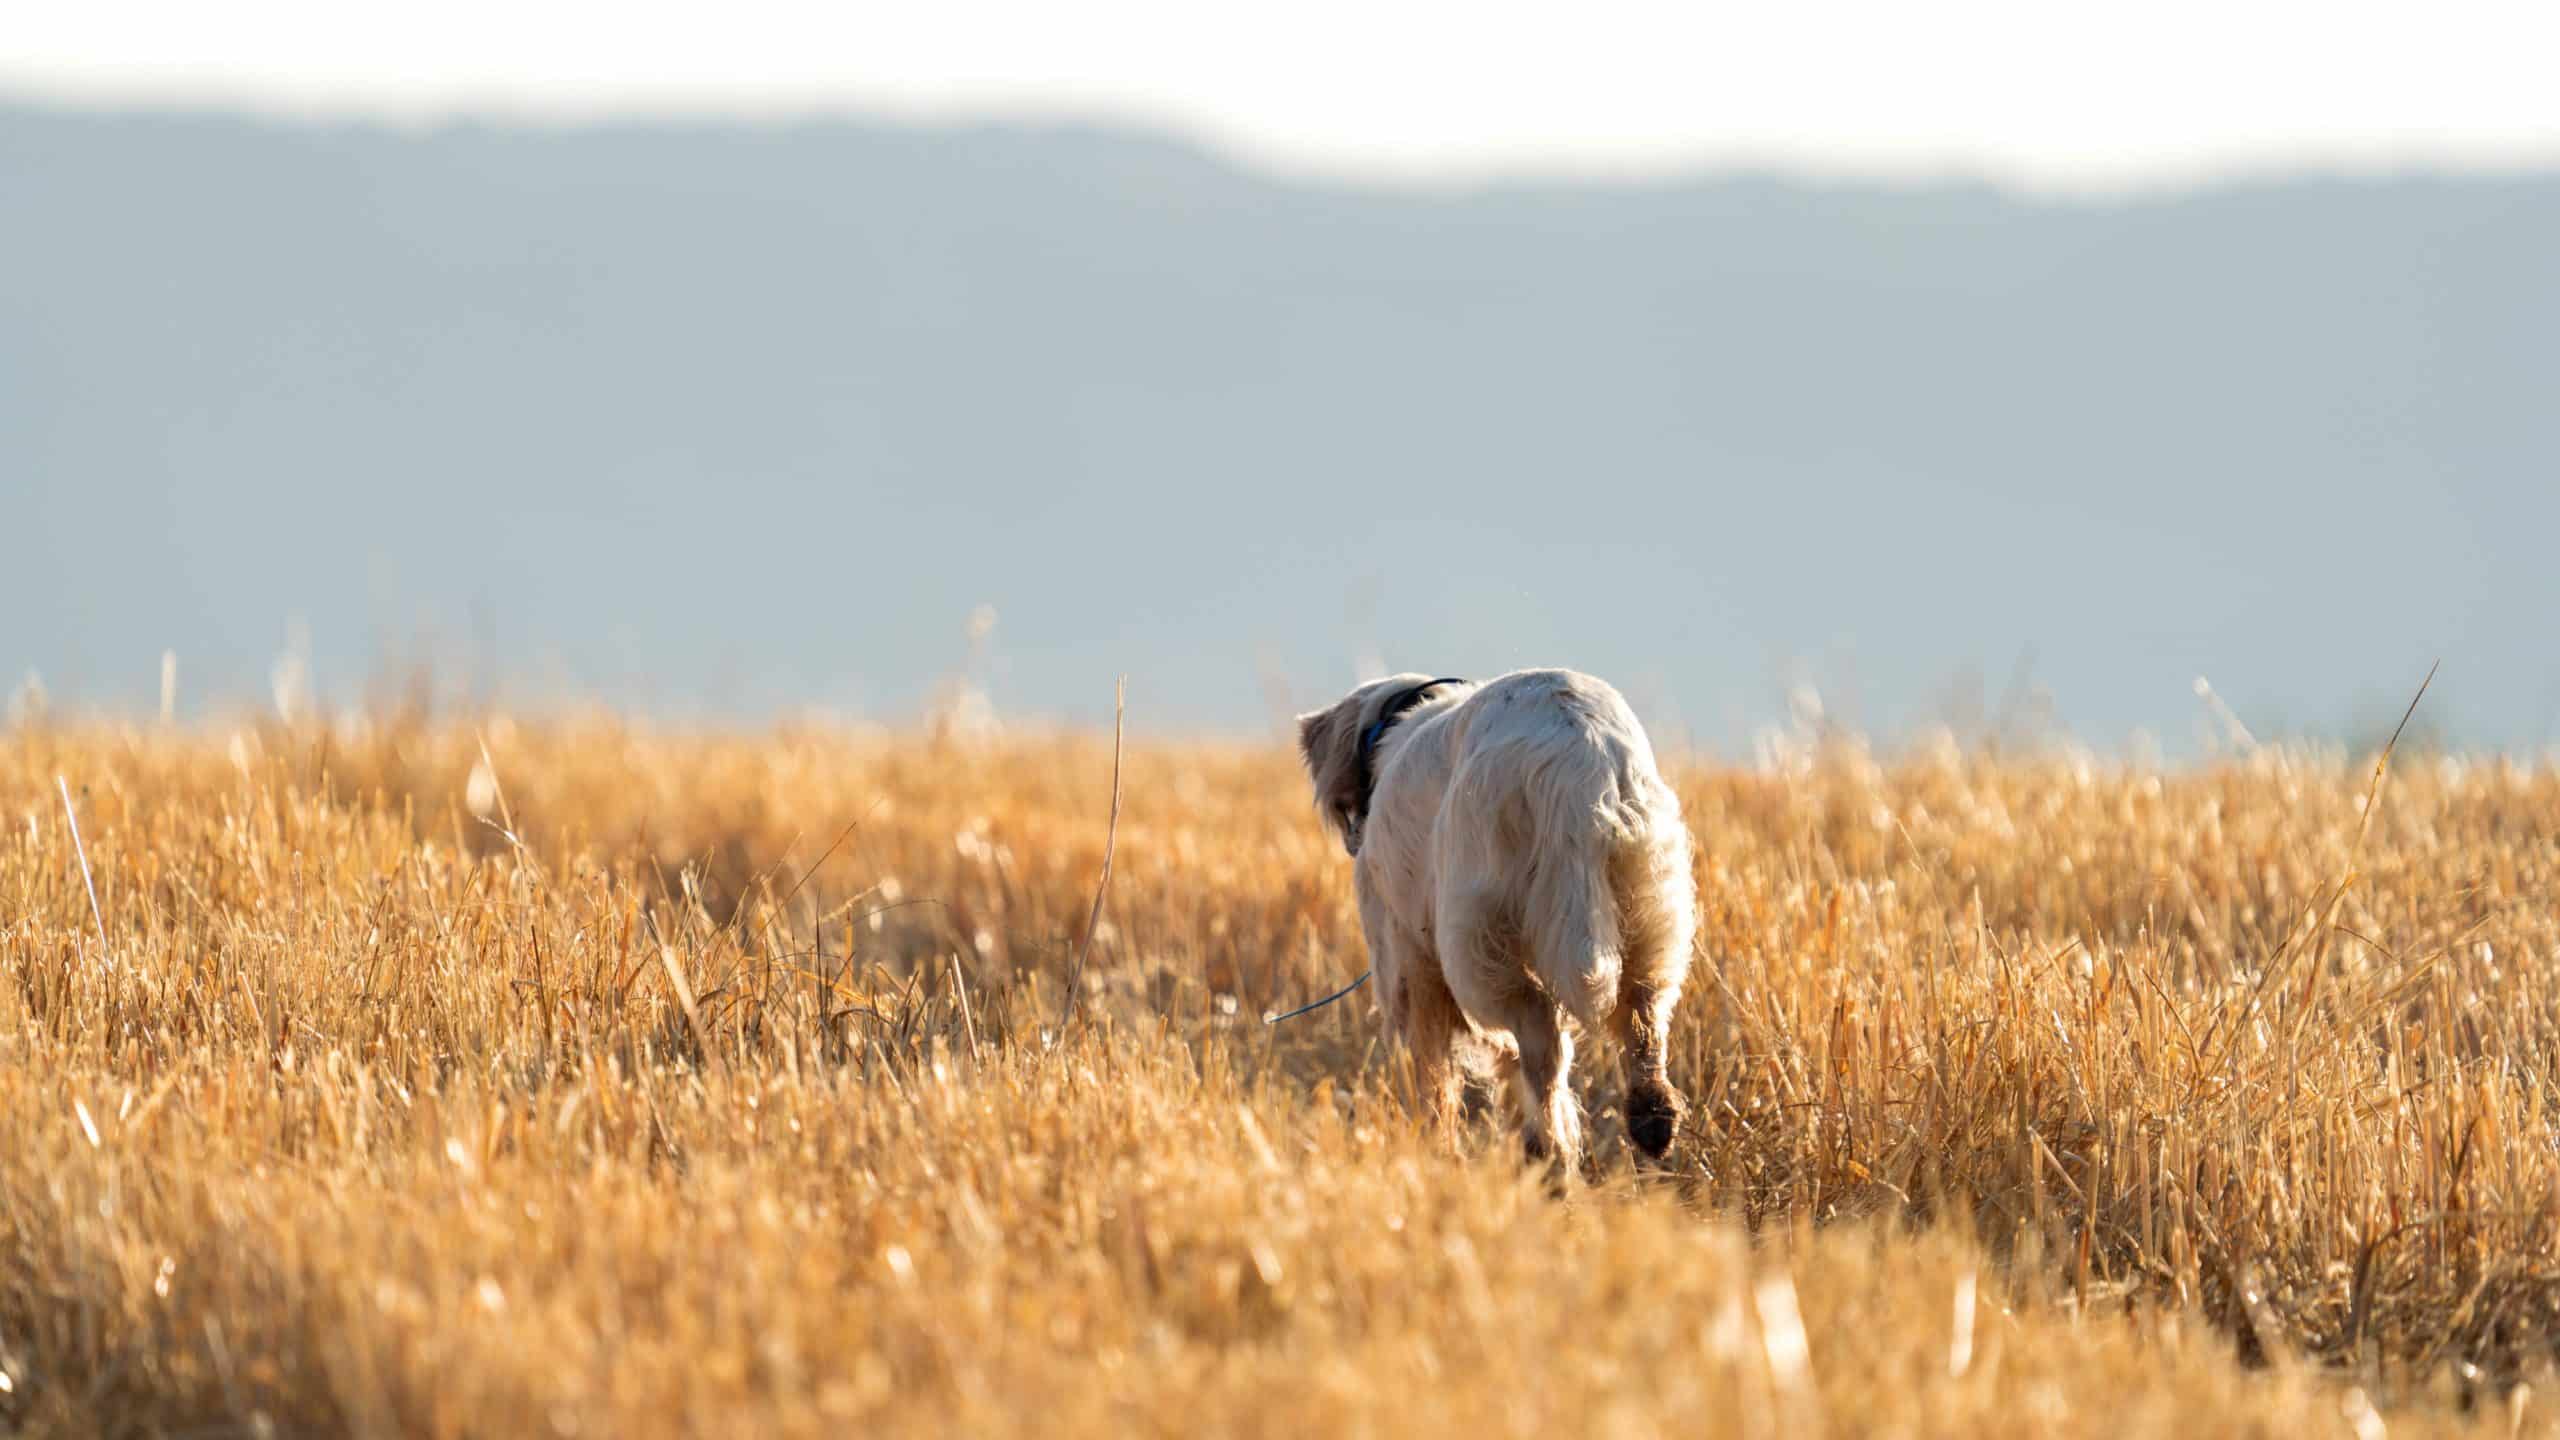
(1320, 1004)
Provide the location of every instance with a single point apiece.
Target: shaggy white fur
(1518, 860)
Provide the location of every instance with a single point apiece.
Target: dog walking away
(1518, 859)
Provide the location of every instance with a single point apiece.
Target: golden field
(652, 1083)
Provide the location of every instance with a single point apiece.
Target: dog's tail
(1592, 821)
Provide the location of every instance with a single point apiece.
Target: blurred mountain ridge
(728, 419)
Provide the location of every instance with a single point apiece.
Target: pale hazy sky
(2032, 91)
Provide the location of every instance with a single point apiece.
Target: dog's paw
(1653, 1118)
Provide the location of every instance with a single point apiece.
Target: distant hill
(725, 420)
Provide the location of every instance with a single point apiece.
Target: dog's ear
(1329, 742)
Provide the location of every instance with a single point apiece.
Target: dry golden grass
(2032, 1098)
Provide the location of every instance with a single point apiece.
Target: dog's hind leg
(1656, 916)
(1482, 953)
(1551, 1118)
(1654, 1108)
(1494, 1060)
(1483, 962)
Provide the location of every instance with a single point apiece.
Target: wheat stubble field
(656, 1083)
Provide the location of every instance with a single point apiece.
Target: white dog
(1518, 858)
